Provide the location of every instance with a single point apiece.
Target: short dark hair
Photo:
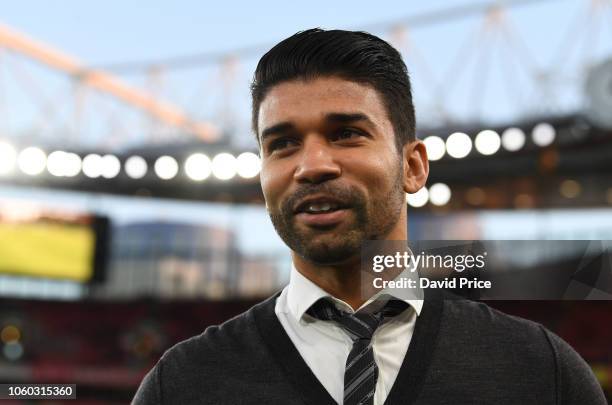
(352, 55)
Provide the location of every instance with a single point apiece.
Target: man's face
(331, 174)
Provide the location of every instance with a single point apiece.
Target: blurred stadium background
(130, 210)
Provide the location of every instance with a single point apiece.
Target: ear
(416, 166)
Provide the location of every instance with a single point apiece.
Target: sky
(546, 33)
(114, 31)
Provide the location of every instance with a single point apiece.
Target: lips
(319, 205)
(321, 211)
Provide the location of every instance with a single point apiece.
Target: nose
(316, 163)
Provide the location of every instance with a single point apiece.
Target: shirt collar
(302, 293)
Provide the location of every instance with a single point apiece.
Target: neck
(346, 281)
(341, 281)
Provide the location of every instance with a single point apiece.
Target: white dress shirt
(325, 346)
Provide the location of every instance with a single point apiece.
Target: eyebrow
(347, 118)
(276, 129)
(331, 118)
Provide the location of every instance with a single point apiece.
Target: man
(333, 115)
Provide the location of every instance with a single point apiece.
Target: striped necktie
(361, 371)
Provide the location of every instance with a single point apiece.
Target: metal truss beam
(105, 82)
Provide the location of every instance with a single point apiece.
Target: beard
(372, 220)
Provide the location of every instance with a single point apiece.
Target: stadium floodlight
(166, 167)
(435, 147)
(248, 164)
(439, 194)
(111, 166)
(73, 164)
(56, 162)
(224, 166)
(63, 164)
(198, 167)
(543, 134)
(458, 145)
(136, 167)
(32, 161)
(8, 158)
(487, 142)
(92, 165)
(513, 139)
(419, 198)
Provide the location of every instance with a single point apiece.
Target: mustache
(341, 192)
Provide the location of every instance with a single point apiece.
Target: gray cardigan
(462, 352)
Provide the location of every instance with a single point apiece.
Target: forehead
(309, 101)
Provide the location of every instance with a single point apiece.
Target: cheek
(376, 174)
(272, 185)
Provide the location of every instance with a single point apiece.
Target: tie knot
(361, 324)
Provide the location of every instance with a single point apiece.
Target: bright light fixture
(92, 165)
(439, 194)
(135, 167)
(63, 164)
(513, 139)
(32, 161)
(111, 166)
(224, 166)
(543, 134)
(249, 165)
(419, 198)
(487, 142)
(458, 145)
(166, 167)
(198, 167)
(435, 147)
(73, 164)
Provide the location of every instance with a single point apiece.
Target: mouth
(321, 211)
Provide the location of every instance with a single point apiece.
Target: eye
(347, 134)
(281, 143)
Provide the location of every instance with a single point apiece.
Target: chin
(330, 252)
